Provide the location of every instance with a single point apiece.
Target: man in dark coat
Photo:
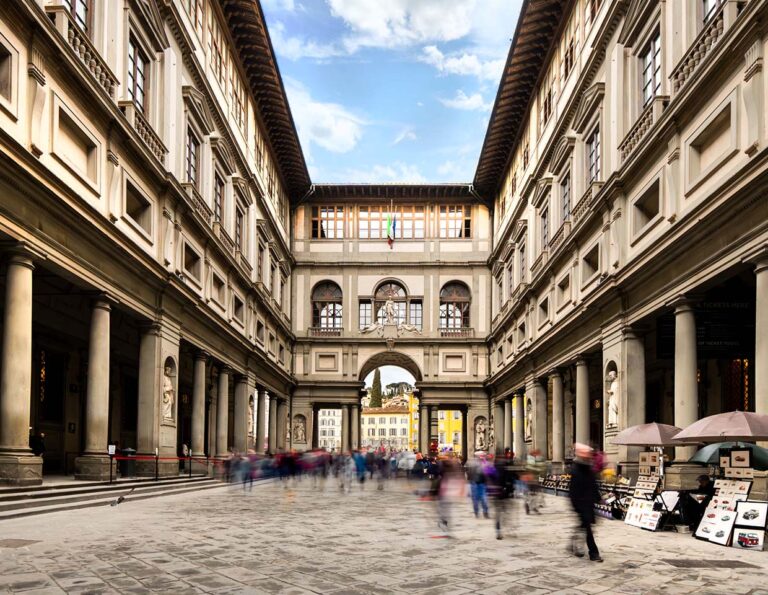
(584, 495)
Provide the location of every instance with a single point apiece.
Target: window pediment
(241, 185)
(592, 99)
(152, 23)
(638, 17)
(194, 102)
(563, 151)
(221, 150)
(543, 187)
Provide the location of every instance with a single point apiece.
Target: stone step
(68, 485)
(44, 507)
(16, 494)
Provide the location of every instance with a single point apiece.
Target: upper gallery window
(455, 301)
(328, 222)
(651, 58)
(218, 197)
(709, 8)
(408, 219)
(216, 50)
(411, 222)
(565, 196)
(326, 305)
(593, 155)
(195, 10)
(192, 159)
(455, 221)
(239, 227)
(387, 291)
(544, 228)
(137, 75)
(81, 12)
(592, 7)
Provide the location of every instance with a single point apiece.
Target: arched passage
(390, 358)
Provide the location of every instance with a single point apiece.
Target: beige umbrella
(653, 434)
(735, 425)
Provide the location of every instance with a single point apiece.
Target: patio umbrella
(710, 454)
(736, 425)
(648, 435)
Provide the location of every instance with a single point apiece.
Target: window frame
(319, 220)
(327, 309)
(454, 311)
(132, 74)
(651, 63)
(86, 24)
(455, 219)
(192, 167)
(593, 146)
(219, 196)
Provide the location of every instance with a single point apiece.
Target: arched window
(326, 306)
(390, 290)
(454, 306)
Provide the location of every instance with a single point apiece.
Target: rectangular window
(237, 97)
(382, 420)
(195, 11)
(80, 11)
(393, 431)
(372, 222)
(6, 72)
(137, 75)
(328, 222)
(382, 432)
(441, 415)
(218, 197)
(544, 228)
(456, 437)
(216, 50)
(260, 264)
(410, 222)
(403, 431)
(592, 7)
(651, 58)
(593, 155)
(272, 276)
(415, 313)
(441, 438)
(457, 415)
(510, 279)
(365, 314)
(523, 263)
(455, 221)
(192, 158)
(565, 197)
(709, 7)
(239, 224)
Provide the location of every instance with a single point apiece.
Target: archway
(390, 358)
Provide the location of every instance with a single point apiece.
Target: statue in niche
(250, 416)
(390, 315)
(612, 394)
(481, 427)
(299, 429)
(492, 434)
(169, 398)
(528, 419)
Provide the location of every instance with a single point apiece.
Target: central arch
(390, 358)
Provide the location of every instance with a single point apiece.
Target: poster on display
(670, 498)
(721, 532)
(706, 529)
(748, 539)
(751, 514)
(741, 458)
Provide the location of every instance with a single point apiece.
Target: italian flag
(391, 223)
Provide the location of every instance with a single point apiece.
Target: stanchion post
(157, 464)
(189, 463)
(110, 468)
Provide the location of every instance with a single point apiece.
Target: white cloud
(328, 125)
(283, 5)
(382, 174)
(463, 101)
(402, 23)
(455, 171)
(403, 135)
(295, 48)
(462, 63)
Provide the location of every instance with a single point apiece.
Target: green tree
(376, 389)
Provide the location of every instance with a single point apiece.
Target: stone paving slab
(298, 540)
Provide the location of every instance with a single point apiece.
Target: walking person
(477, 476)
(449, 488)
(501, 486)
(584, 495)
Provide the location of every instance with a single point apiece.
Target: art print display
(751, 514)
(722, 528)
(706, 529)
(748, 539)
(741, 458)
(670, 498)
(638, 509)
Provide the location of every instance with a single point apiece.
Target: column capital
(555, 373)
(761, 264)
(225, 369)
(759, 258)
(581, 361)
(683, 303)
(149, 327)
(345, 407)
(23, 253)
(201, 354)
(634, 331)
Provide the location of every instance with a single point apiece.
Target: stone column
(198, 405)
(508, 433)
(282, 417)
(465, 450)
(222, 414)
(344, 428)
(539, 429)
(519, 430)
(18, 466)
(93, 465)
(761, 337)
(423, 429)
(241, 414)
(272, 435)
(582, 401)
(433, 421)
(498, 426)
(355, 426)
(632, 403)
(686, 382)
(558, 424)
(150, 414)
(261, 420)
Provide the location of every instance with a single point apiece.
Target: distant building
(329, 421)
(385, 426)
(413, 421)
(449, 428)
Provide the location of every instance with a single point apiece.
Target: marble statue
(481, 426)
(169, 398)
(492, 434)
(389, 312)
(528, 418)
(250, 416)
(299, 429)
(613, 399)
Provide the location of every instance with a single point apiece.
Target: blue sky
(391, 90)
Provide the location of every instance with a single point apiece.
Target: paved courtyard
(277, 540)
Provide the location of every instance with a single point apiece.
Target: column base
(683, 476)
(146, 468)
(94, 468)
(20, 469)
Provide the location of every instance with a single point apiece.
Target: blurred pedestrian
(477, 476)
(450, 488)
(501, 488)
(584, 495)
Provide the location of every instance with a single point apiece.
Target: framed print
(706, 529)
(748, 539)
(644, 458)
(725, 462)
(741, 458)
(723, 526)
(751, 514)
(653, 459)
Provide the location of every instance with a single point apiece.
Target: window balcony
(560, 235)
(585, 202)
(87, 54)
(645, 122)
(143, 128)
(222, 234)
(462, 333)
(322, 331)
(197, 203)
(540, 261)
(711, 34)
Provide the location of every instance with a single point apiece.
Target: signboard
(111, 449)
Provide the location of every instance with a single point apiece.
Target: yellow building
(413, 421)
(449, 428)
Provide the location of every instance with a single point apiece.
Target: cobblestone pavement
(277, 540)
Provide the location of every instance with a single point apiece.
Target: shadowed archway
(390, 358)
